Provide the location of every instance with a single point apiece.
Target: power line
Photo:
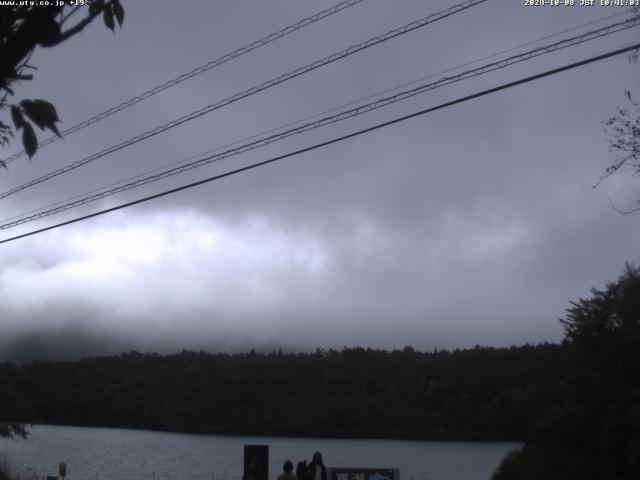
(509, 61)
(197, 71)
(332, 119)
(334, 140)
(315, 115)
(263, 86)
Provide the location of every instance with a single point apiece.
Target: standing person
(302, 470)
(316, 469)
(287, 473)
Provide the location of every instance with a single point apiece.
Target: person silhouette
(287, 472)
(316, 469)
(302, 470)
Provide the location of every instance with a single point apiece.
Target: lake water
(115, 454)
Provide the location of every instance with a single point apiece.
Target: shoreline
(440, 439)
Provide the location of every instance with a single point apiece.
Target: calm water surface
(115, 454)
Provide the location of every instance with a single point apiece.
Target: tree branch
(25, 39)
(69, 15)
(78, 27)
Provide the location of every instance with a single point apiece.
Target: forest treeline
(480, 393)
(576, 405)
(593, 432)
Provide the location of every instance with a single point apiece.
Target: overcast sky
(476, 224)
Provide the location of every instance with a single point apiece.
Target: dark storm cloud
(476, 224)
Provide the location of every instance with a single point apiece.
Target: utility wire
(310, 117)
(315, 115)
(334, 140)
(599, 33)
(263, 86)
(196, 71)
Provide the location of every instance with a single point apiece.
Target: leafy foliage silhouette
(23, 28)
(623, 135)
(593, 430)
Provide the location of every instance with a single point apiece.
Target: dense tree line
(576, 405)
(479, 393)
(593, 433)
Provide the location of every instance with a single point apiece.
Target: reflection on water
(115, 454)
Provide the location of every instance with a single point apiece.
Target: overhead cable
(196, 71)
(263, 86)
(315, 115)
(332, 141)
(490, 67)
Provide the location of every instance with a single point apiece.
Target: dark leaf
(42, 113)
(95, 7)
(16, 116)
(49, 108)
(28, 106)
(118, 11)
(107, 16)
(29, 140)
(3, 164)
(54, 129)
